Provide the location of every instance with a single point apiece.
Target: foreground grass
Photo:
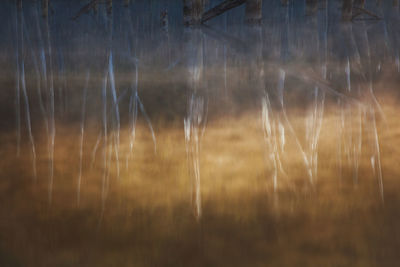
(148, 219)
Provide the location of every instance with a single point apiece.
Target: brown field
(146, 217)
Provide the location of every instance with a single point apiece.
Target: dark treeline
(66, 15)
(154, 30)
(193, 11)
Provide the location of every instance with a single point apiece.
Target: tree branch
(362, 10)
(86, 9)
(221, 8)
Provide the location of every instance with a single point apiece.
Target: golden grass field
(147, 217)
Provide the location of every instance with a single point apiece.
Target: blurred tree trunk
(395, 3)
(285, 2)
(45, 8)
(359, 3)
(192, 11)
(253, 11)
(19, 4)
(347, 10)
(198, 9)
(126, 3)
(109, 7)
(312, 7)
(187, 12)
(95, 8)
(324, 4)
(164, 24)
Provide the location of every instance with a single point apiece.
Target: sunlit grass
(148, 215)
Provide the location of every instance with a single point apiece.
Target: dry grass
(148, 219)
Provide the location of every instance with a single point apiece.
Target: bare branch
(221, 8)
(86, 9)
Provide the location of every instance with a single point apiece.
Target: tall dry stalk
(83, 115)
(17, 78)
(50, 86)
(196, 119)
